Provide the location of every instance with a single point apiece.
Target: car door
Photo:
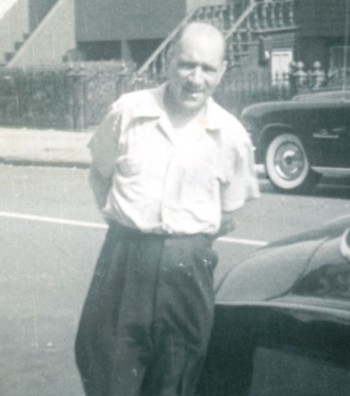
(271, 351)
(330, 138)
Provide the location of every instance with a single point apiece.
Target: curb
(27, 147)
(48, 163)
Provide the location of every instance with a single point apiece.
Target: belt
(130, 232)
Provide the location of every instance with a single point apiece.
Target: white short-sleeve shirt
(166, 181)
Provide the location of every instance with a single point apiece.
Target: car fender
(269, 273)
(267, 134)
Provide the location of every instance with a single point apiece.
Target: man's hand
(227, 223)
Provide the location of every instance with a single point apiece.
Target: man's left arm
(227, 223)
(241, 184)
(103, 148)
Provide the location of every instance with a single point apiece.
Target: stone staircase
(49, 40)
(19, 25)
(14, 28)
(242, 23)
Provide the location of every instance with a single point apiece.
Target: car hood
(260, 109)
(297, 264)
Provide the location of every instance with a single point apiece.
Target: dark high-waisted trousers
(147, 318)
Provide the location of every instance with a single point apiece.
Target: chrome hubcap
(289, 161)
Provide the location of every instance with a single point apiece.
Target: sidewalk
(24, 146)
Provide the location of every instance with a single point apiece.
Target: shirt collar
(154, 108)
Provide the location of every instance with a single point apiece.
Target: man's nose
(196, 76)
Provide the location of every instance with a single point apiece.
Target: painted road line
(54, 220)
(61, 221)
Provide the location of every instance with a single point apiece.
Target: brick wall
(108, 20)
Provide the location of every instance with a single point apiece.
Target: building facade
(324, 31)
(132, 30)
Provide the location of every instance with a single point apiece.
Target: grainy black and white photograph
(175, 197)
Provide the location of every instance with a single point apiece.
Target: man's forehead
(200, 55)
(203, 38)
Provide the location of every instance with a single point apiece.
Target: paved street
(50, 236)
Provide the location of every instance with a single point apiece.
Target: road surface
(50, 236)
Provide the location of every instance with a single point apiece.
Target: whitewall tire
(287, 165)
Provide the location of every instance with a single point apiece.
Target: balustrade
(301, 80)
(278, 14)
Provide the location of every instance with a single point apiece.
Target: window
(280, 65)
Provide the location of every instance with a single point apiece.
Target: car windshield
(328, 274)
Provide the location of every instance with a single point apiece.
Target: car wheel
(287, 165)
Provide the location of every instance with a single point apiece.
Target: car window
(283, 372)
(328, 274)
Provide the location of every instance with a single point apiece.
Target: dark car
(282, 320)
(301, 139)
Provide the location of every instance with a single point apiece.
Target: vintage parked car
(301, 139)
(282, 321)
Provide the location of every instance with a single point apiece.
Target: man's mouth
(193, 92)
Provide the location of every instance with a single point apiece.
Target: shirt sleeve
(103, 147)
(241, 184)
(104, 143)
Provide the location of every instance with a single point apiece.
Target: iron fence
(77, 97)
(71, 96)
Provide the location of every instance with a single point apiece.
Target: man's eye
(208, 69)
(187, 65)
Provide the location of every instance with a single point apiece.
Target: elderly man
(169, 168)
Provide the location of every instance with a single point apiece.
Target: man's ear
(169, 53)
(169, 56)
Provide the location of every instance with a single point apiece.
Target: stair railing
(221, 16)
(260, 17)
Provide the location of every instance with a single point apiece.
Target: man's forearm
(100, 186)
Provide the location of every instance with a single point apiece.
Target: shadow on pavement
(328, 188)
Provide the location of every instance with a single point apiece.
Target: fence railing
(71, 96)
(78, 97)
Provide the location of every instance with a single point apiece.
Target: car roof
(320, 98)
(324, 95)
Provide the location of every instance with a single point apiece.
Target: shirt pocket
(133, 154)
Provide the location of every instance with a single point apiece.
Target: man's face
(195, 71)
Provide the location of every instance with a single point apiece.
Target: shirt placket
(166, 209)
(171, 205)
(170, 193)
